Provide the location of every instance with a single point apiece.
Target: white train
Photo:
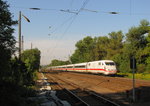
(106, 67)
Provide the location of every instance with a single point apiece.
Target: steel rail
(77, 97)
(74, 96)
(107, 101)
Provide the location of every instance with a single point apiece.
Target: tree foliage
(84, 50)
(31, 58)
(14, 80)
(56, 62)
(118, 47)
(7, 41)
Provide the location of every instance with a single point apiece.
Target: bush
(141, 68)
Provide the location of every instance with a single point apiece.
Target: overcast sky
(55, 28)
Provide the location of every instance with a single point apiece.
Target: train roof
(102, 61)
(80, 64)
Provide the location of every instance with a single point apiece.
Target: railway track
(67, 94)
(109, 80)
(81, 96)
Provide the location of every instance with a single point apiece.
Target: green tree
(147, 53)
(31, 58)
(100, 49)
(76, 56)
(136, 36)
(118, 47)
(56, 62)
(7, 41)
(19, 72)
(84, 49)
(115, 44)
(10, 75)
(136, 44)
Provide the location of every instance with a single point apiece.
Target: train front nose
(112, 70)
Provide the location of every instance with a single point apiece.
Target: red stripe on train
(82, 69)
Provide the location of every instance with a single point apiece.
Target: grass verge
(142, 76)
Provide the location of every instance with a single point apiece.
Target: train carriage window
(99, 63)
(89, 64)
(82, 66)
(69, 66)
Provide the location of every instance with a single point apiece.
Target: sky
(59, 24)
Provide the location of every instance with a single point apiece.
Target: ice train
(106, 67)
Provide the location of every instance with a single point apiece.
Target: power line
(35, 8)
(82, 7)
(62, 24)
(69, 11)
(72, 19)
(90, 10)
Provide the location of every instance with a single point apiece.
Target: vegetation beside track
(142, 76)
(116, 46)
(17, 75)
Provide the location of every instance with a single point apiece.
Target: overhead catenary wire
(90, 10)
(82, 7)
(57, 29)
(35, 8)
(60, 10)
(62, 24)
(53, 32)
(56, 44)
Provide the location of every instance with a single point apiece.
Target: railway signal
(133, 67)
(132, 62)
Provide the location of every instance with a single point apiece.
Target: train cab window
(110, 63)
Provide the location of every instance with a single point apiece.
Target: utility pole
(22, 44)
(133, 79)
(19, 32)
(133, 67)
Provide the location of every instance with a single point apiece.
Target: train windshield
(110, 63)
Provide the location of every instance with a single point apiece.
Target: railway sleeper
(80, 101)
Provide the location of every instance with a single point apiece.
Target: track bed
(114, 88)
